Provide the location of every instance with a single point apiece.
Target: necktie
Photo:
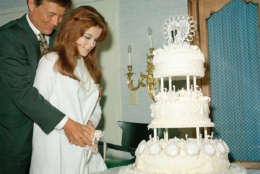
(43, 44)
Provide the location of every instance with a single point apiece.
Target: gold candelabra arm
(150, 80)
(130, 81)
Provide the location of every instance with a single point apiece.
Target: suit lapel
(25, 25)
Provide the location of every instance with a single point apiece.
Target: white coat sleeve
(45, 80)
(45, 76)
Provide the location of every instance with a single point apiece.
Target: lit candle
(150, 36)
(129, 55)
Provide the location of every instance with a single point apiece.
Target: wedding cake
(184, 108)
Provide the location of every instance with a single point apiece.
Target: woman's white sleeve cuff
(62, 123)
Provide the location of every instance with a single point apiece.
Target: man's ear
(31, 5)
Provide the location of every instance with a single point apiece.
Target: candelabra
(150, 80)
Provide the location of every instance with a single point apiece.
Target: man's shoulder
(12, 25)
(15, 30)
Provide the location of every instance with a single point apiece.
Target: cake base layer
(182, 156)
(233, 169)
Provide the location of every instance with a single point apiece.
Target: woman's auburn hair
(73, 27)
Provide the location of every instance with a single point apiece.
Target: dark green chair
(132, 135)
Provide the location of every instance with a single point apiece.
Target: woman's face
(88, 41)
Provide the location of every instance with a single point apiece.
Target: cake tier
(179, 156)
(180, 109)
(172, 60)
(233, 169)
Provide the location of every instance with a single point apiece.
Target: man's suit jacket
(20, 103)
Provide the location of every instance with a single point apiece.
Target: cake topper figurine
(178, 30)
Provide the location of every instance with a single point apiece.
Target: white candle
(150, 36)
(129, 55)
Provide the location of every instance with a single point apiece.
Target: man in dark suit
(20, 103)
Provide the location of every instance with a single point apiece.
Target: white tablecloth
(116, 170)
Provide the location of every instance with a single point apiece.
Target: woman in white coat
(69, 77)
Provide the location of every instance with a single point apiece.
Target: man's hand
(78, 134)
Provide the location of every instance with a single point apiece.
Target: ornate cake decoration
(179, 30)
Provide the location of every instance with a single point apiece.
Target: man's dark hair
(64, 3)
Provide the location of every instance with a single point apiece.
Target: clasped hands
(79, 134)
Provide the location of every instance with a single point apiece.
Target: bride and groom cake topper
(178, 30)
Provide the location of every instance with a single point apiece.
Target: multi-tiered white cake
(185, 108)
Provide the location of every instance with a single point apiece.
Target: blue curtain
(235, 78)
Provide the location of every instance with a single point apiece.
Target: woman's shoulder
(50, 57)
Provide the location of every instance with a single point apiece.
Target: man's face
(46, 16)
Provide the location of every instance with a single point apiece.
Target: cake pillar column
(188, 83)
(162, 86)
(170, 84)
(194, 83)
(198, 134)
(166, 134)
(205, 132)
(155, 134)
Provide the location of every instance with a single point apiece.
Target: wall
(110, 62)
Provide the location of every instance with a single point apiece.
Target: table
(116, 170)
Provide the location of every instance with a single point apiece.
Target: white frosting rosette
(209, 149)
(172, 149)
(222, 147)
(155, 148)
(192, 148)
(140, 148)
